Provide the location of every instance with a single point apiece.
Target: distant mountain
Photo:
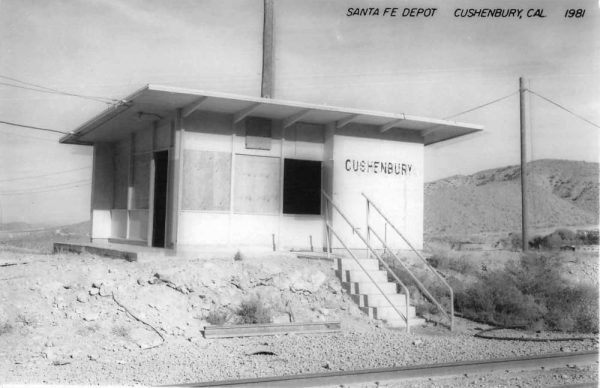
(560, 192)
(13, 226)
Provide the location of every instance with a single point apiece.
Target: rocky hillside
(561, 193)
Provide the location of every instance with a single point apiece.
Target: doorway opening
(159, 221)
(301, 187)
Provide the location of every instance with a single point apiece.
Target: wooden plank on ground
(270, 329)
(100, 251)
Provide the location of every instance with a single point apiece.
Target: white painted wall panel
(399, 194)
(202, 228)
(138, 225)
(254, 230)
(208, 131)
(118, 223)
(296, 232)
(102, 224)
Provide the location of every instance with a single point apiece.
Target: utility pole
(524, 207)
(266, 89)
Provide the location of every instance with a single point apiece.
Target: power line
(105, 100)
(51, 92)
(482, 106)
(45, 191)
(32, 127)
(45, 175)
(563, 108)
(42, 189)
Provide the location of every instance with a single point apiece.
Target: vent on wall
(258, 133)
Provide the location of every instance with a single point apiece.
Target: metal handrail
(386, 266)
(419, 284)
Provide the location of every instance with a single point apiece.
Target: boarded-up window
(121, 174)
(206, 180)
(257, 183)
(141, 181)
(258, 133)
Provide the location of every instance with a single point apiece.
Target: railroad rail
(552, 360)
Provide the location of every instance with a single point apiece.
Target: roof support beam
(295, 117)
(191, 108)
(345, 121)
(390, 125)
(239, 116)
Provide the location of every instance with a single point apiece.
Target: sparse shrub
(496, 298)
(531, 293)
(217, 317)
(573, 309)
(253, 311)
(121, 331)
(5, 328)
(26, 320)
(238, 256)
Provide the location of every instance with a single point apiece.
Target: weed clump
(5, 328)
(533, 294)
(253, 311)
(217, 317)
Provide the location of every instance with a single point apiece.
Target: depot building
(177, 168)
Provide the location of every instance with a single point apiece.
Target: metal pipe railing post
(423, 288)
(368, 234)
(327, 231)
(406, 315)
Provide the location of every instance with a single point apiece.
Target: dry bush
(531, 293)
(5, 328)
(253, 311)
(217, 317)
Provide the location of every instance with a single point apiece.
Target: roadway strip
(553, 360)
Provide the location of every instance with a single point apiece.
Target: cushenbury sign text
(378, 167)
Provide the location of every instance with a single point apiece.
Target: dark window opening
(301, 187)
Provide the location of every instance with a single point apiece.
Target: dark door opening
(301, 187)
(161, 171)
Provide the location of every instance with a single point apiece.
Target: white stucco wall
(387, 169)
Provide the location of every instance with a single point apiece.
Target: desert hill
(561, 193)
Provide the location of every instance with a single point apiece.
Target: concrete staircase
(368, 296)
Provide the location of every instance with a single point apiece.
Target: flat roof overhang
(155, 102)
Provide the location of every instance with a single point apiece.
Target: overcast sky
(434, 67)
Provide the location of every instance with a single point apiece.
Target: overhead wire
(563, 108)
(34, 127)
(481, 106)
(45, 175)
(45, 89)
(42, 189)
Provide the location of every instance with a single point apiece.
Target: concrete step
(369, 287)
(377, 300)
(388, 312)
(361, 276)
(349, 264)
(412, 322)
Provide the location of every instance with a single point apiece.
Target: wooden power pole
(524, 207)
(266, 89)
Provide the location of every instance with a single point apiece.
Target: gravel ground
(358, 346)
(56, 329)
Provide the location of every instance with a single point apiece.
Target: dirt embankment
(90, 320)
